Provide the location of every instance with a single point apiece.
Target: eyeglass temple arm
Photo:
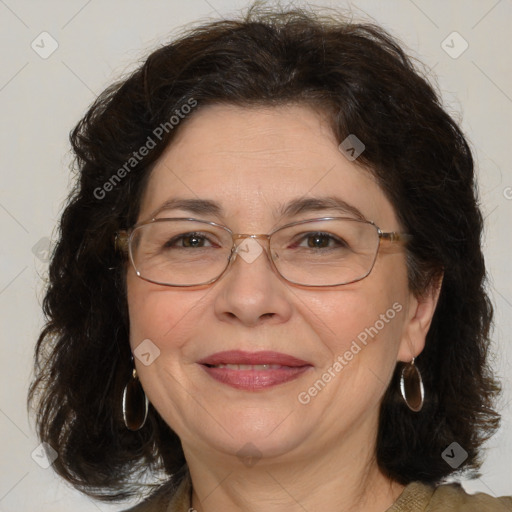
(393, 236)
(121, 241)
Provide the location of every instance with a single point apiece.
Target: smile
(248, 366)
(254, 377)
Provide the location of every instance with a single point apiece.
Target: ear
(419, 311)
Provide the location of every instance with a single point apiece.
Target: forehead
(253, 161)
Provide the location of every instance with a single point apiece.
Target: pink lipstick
(253, 371)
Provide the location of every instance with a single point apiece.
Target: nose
(251, 291)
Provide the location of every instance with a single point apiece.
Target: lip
(288, 368)
(253, 358)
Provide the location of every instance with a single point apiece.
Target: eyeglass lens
(315, 253)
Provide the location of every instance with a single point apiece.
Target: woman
(269, 285)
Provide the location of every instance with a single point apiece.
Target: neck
(344, 478)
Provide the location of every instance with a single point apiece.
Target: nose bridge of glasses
(243, 236)
(247, 245)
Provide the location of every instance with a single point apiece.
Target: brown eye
(318, 241)
(186, 240)
(321, 241)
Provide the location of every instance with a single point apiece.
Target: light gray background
(42, 99)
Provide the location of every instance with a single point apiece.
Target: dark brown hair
(359, 76)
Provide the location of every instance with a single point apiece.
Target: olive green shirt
(416, 497)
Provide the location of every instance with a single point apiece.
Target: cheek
(161, 323)
(365, 321)
(360, 347)
(155, 312)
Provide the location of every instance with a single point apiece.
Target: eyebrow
(291, 209)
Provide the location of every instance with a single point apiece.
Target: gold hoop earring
(135, 404)
(411, 386)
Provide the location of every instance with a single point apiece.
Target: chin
(254, 434)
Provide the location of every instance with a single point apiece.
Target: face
(252, 162)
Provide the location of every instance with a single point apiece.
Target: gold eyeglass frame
(123, 238)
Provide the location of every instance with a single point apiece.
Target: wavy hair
(360, 78)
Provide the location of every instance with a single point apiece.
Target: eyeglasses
(329, 251)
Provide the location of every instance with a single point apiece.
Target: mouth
(253, 371)
(262, 358)
(247, 366)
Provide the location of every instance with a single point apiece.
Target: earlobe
(420, 314)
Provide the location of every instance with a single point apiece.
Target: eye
(187, 240)
(321, 240)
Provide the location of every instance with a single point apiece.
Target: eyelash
(303, 237)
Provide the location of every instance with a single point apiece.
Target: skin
(318, 456)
